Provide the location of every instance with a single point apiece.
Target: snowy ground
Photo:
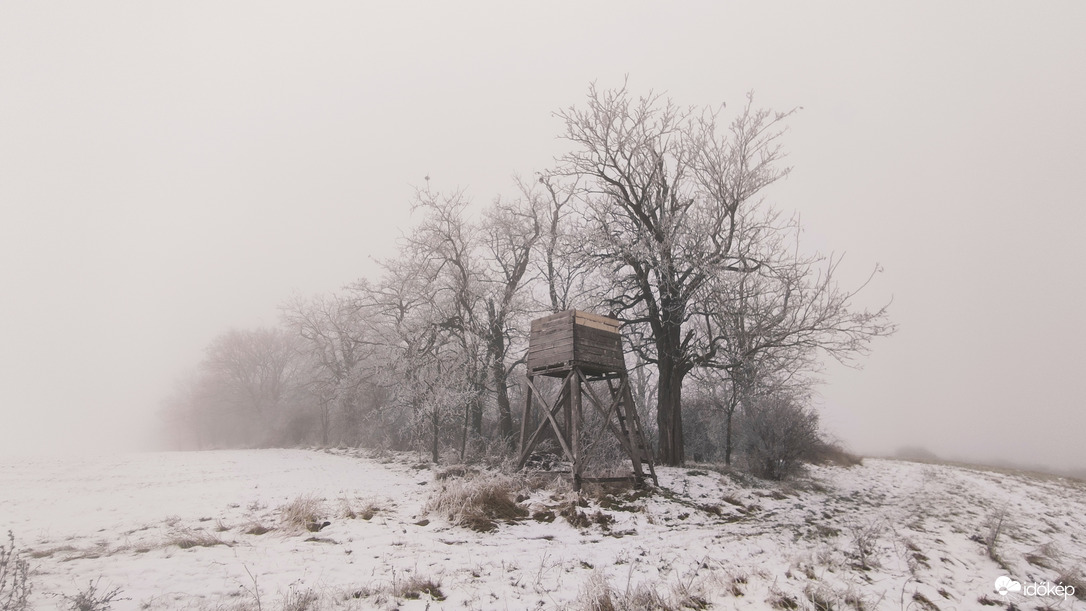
(170, 530)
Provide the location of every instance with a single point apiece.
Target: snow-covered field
(177, 531)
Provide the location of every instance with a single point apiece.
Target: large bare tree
(480, 270)
(774, 326)
(666, 192)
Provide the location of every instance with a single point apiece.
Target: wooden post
(525, 418)
(575, 427)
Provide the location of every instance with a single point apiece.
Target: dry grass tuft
(256, 528)
(370, 509)
(301, 600)
(454, 471)
(478, 503)
(415, 587)
(301, 512)
(187, 538)
(780, 600)
(597, 594)
(924, 603)
(1075, 580)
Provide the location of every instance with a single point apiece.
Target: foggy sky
(170, 171)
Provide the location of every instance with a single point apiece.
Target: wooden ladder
(630, 425)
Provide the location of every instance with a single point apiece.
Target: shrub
(92, 599)
(779, 433)
(14, 578)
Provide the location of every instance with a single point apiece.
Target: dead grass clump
(49, 553)
(366, 511)
(187, 538)
(780, 600)
(257, 529)
(1076, 581)
(545, 515)
(369, 510)
(454, 471)
(646, 597)
(478, 503)
(924, 603)
(1047, 556)
(821, 597)
(346, 511)
(301, 600)
(624, 501)
(597, 594)
(301, 512)
(415, 587)
(575, 517)
(584, 520)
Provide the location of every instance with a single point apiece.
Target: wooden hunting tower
(580, 348)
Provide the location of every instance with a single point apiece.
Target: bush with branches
(14, 578)
(779, 433)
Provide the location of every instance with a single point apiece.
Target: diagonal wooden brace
(549, 411)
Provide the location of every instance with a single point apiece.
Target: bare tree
(563, 263)
(665, 193)
(510, 232)
(424, 367)
(449, 243)
(480, 270)
(775, 323)
(703, 273)
(341, 355)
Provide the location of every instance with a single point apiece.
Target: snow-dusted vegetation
(342, 529)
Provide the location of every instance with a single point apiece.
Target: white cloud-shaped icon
(1005, 584)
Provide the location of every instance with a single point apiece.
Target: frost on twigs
(93, 598)
(14, 577)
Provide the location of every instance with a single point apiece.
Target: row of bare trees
(654, 216)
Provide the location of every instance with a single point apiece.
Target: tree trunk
(505, 410)
(435, 422)
(501, 389)
(728, 436)
(672, 370)
(477, 416)
(326, 422)
(669, 413)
